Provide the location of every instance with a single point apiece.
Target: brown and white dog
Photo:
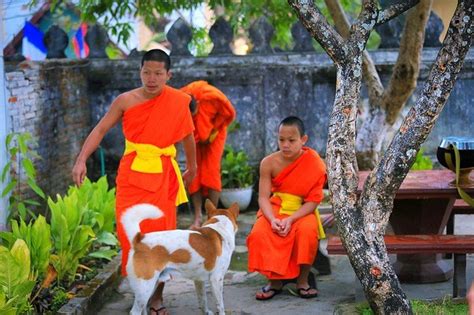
(201, 255)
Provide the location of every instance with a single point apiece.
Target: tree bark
(362, 221)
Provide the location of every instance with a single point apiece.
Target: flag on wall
(81, 49)
(33, 47)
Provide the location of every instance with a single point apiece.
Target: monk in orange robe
(212, 115)
(284, 239)
(154, 118)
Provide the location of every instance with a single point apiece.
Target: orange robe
(214, 113)
(161, 122)
(279, 257)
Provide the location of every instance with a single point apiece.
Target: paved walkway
(240, 287)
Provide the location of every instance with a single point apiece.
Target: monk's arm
(265, 191)
(189, 147)
(93, 140)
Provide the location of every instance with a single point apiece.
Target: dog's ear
(210, 208)
(234, 208)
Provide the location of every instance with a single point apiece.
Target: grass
(438, 307)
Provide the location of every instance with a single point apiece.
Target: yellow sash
(148, 160)
(291, 203)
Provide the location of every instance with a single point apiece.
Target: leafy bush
(19, 146)
(236, 172)
(99, 203)
(15, 283)
(422, 162)
(34, 253)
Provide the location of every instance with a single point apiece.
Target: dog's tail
(134, 215)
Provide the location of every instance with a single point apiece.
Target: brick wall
(49, 100)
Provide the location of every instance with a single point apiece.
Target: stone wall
(60, 102)
(49, 100)
(265, 89)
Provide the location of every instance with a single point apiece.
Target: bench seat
(459, 245)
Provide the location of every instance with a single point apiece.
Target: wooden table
(423, 205)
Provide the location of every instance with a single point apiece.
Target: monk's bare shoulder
(127, 99)
(272, 163)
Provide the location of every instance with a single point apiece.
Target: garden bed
(91, 297)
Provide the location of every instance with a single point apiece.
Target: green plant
(37, 236)
(71, 237)
(15, 283)
(422, 162)
(99, 204)
(443, 306)
(235, 169)
(19, 146)
(60, 297)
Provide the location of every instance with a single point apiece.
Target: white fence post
(3, 123)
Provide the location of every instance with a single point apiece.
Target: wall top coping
(381, 57)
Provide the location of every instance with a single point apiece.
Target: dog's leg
(201, 295)
(143, 289)
(217, 285)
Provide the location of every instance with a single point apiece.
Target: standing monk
(154, 117)
(213, 113)
(284, 239)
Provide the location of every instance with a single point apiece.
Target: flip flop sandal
(157, 310)
(268, 289)
(307, 295)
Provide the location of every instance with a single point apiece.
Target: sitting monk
(212, 115)
(284, 239)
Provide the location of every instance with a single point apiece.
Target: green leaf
(5, 171)
(8, 188)
(41, 244)
(36, 188)
(104, 254)
(29, 168)
(21, 253)
(107, 238)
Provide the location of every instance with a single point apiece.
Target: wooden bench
(460, 207)
(459, 245)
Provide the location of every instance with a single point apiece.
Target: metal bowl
(465, 146)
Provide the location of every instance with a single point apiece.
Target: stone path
(240, 286)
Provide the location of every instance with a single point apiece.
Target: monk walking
(212, 115)
(284, 239)
(154, 117)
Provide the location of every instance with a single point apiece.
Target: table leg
(421, 216)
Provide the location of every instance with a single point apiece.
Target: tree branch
(364, 25)
(384, 181)
(317, 25)
(406, 70)
(370, 74)
(395, 10)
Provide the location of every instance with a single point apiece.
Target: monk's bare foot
(270, 290)
(196, 224)
(306, 291)
(161, 310)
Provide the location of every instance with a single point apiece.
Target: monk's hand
(189, 175)
(79, 172)
(276, 225)
(285, 226)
